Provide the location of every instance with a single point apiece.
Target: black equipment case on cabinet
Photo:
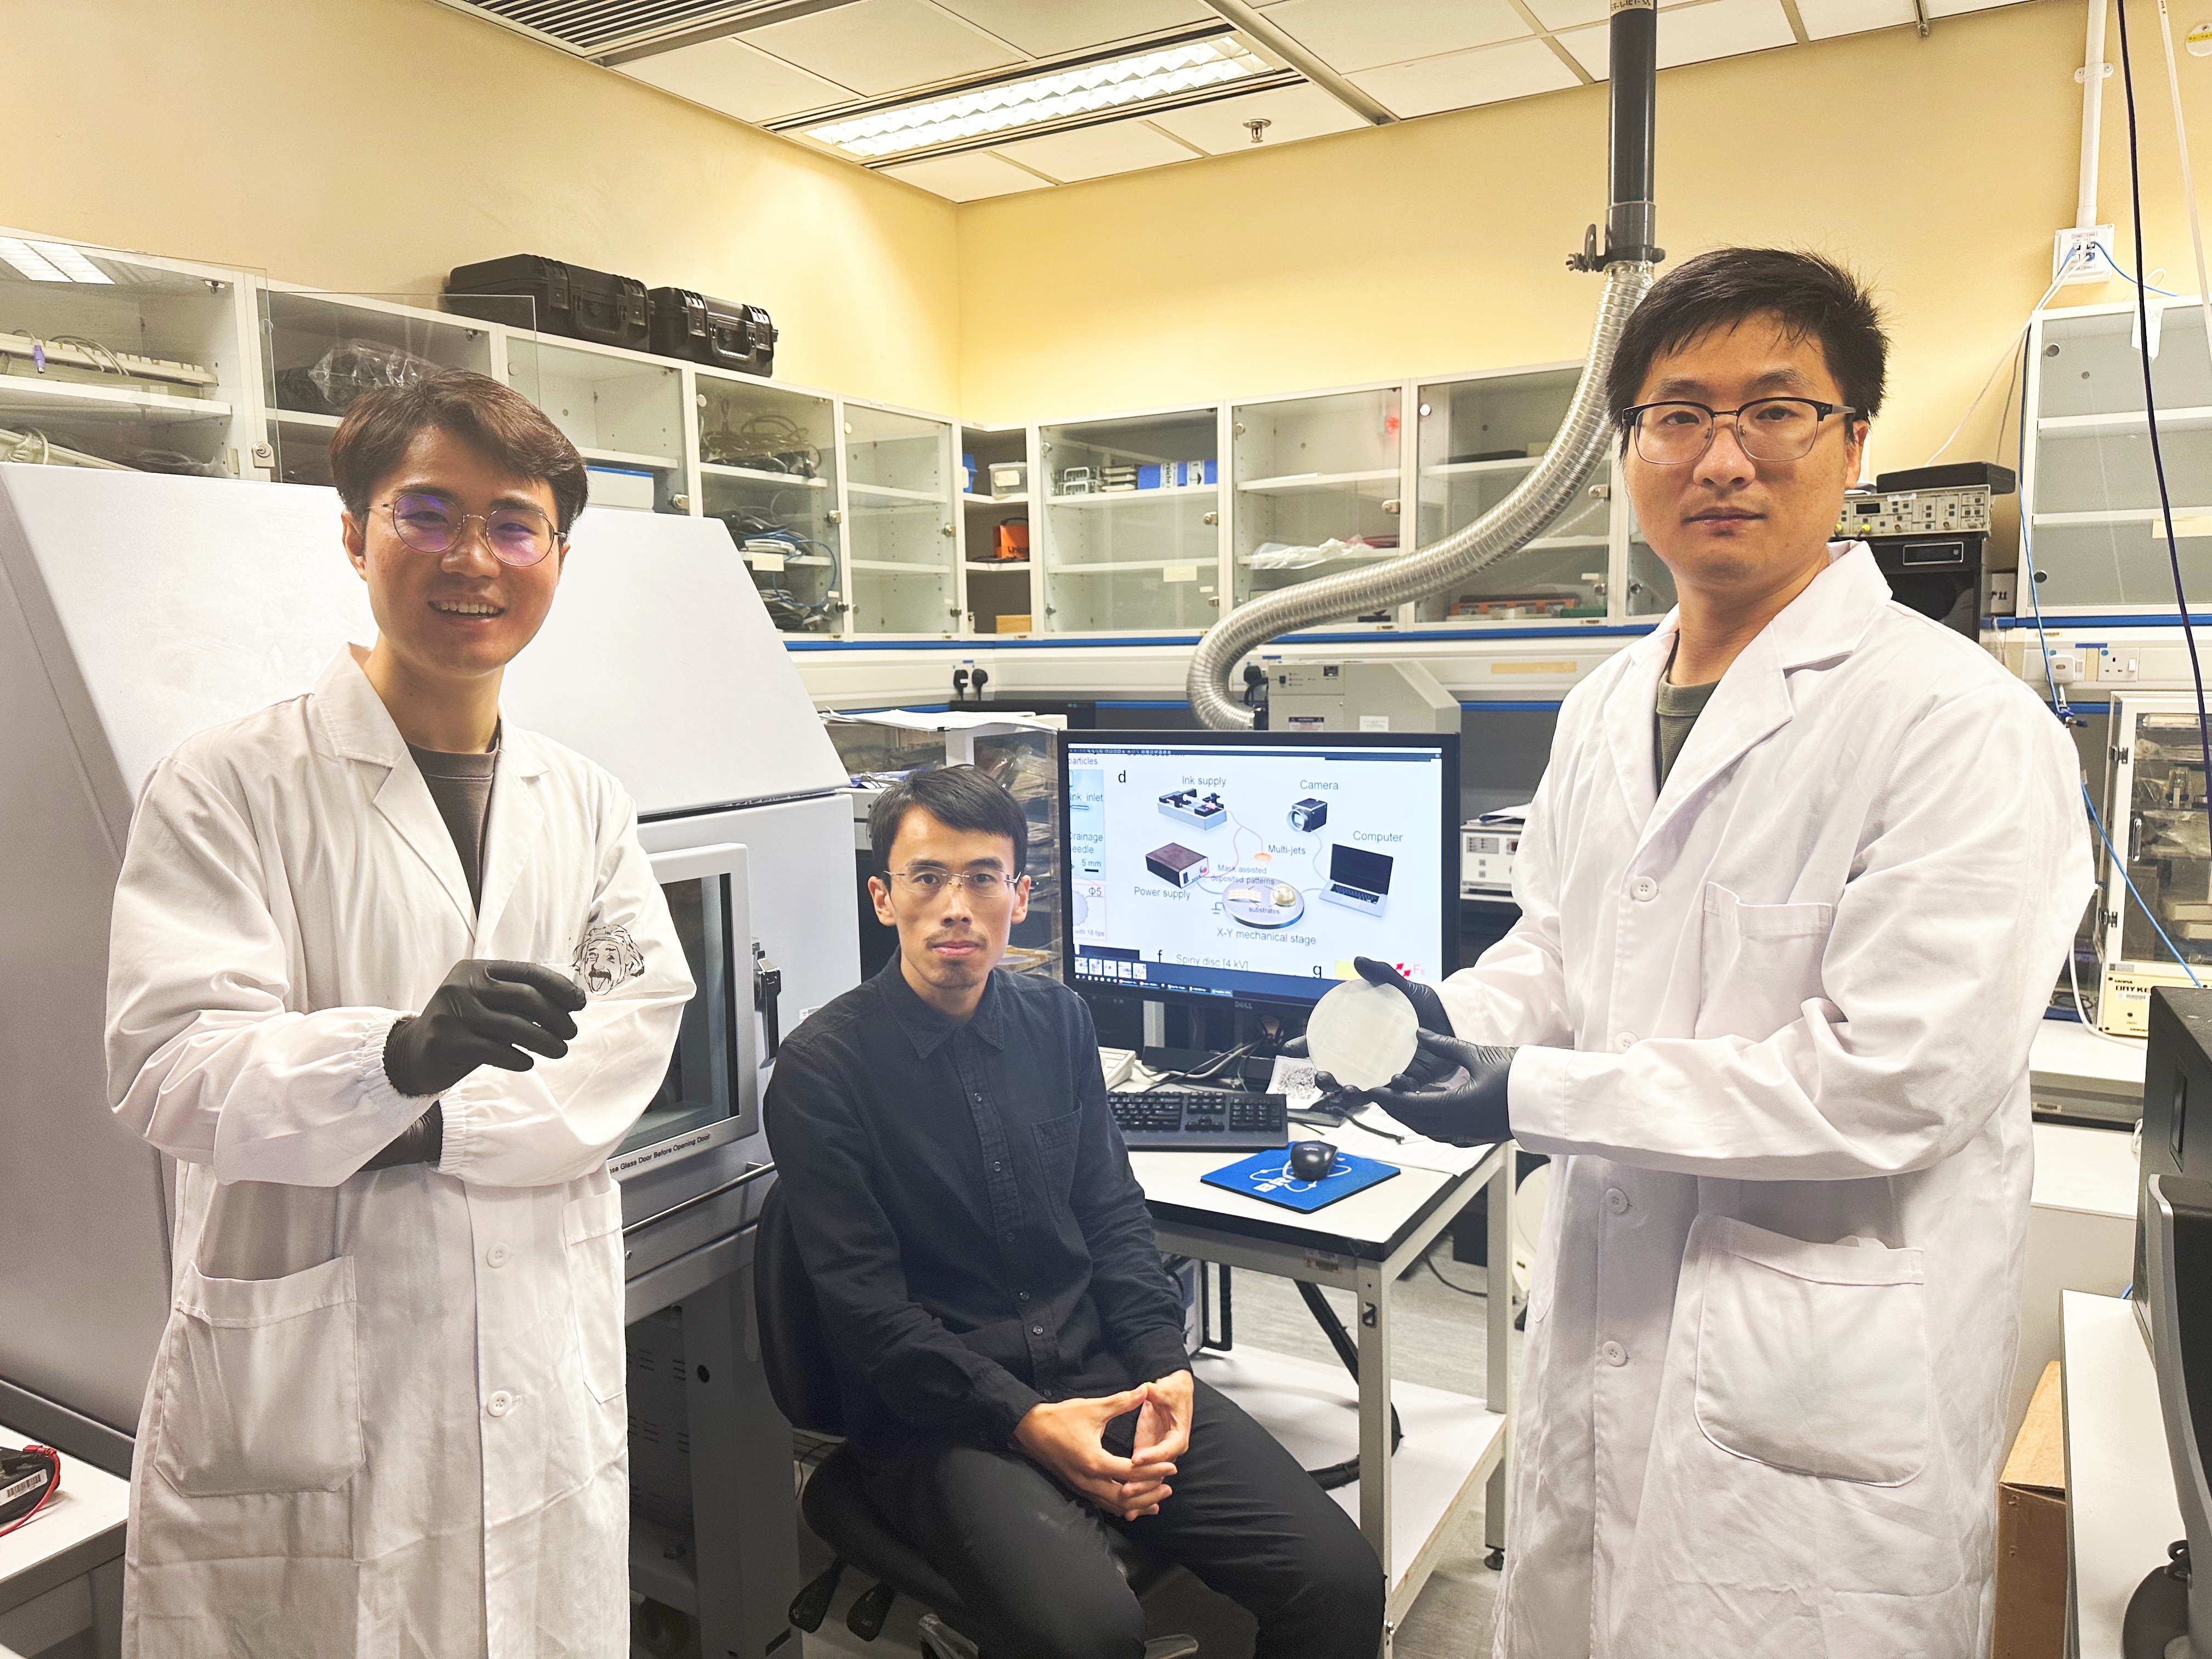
(584, 305)
(703, 329)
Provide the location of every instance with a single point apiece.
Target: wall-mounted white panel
(879, 47)
(1460, 79)
(969, 177)
(1292, 113)
(1094, 152)
(1361, 35)
(1066, 25)
(738, 79)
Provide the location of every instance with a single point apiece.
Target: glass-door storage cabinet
(1133, 522)
(2096, 532)
(622, 411)
(126, 362)
(1479, 438)
(1319, 483)
(768, 471)
(901, 543)
(325, 350)
(996, 558)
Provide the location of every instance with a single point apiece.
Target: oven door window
(696, 1093)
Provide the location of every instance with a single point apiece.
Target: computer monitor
(1206, 867)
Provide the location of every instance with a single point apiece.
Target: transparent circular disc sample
(1362, 1034)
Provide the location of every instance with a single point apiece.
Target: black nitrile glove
(1469, 1110)
(423, 1141)
(1428, 1008)
(486, 1014)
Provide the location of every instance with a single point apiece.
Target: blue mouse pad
(1267, 1175)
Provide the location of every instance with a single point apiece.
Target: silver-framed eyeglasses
(516, 532)
(1769, 429)
(982, 885)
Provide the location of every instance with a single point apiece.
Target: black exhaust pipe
(1630, 218)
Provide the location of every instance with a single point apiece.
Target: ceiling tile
(1458, 79)
(1824, 19)
(731, 76)
(1094, 152)
(968, 178)
(1567, 14)
(1692, 34)
(1292, 113)
(1361, 35)
(1952, 8)
(879, 47)
(1063, 26)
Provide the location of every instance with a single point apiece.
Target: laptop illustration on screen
(1358, 879)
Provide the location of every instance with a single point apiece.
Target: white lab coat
(387, 1420)
(1778, 1023)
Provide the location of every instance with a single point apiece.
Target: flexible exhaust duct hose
(1505, 529)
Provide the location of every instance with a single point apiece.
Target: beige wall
(372, 144)
(1939, 168)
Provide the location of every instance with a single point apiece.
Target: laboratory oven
(2155, 899)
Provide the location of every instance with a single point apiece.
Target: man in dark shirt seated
(1012, 1347)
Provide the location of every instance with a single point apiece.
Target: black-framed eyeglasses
(982, 885)
(517, 534)
(1675, 434)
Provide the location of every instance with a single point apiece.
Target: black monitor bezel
(1446, 744)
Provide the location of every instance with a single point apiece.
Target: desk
(2120, 1508)
(62, 1573)
(1363, 1243)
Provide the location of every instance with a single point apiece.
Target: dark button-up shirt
(965, 1209)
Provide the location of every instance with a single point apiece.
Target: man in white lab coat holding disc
(388, 1415)
(1794, 889)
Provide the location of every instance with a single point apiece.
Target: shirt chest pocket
(1056, 1144)
(1759, 964)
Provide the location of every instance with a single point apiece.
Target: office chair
(802, 1379)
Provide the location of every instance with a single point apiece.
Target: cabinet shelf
(1119, 497)
(999, 567)
(900, 568)
(1458, 469)
(790, 559)
(1292, 483)
(307, 418)
(893, 493)
(969, 499)
(755, 475)
(627, 458)
(1108, 567)
(19, 394)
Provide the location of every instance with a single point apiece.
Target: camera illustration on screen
(1309, 815)
(1358, 880)
(1200, 811)
(1176, 865)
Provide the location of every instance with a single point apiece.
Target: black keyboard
(1201, 1121)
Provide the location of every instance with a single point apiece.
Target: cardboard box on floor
(2031, 1598)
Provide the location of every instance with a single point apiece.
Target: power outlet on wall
(2075, 257)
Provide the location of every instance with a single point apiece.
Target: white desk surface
(1372, 1216)
(2121, 1513)
(91, 1502)
(2067, 1054)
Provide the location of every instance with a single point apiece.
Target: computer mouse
(1311, 1160)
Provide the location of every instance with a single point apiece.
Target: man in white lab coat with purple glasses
(1794, 889)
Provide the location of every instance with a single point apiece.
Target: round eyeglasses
(1768, 428)
(984, 886)
(517, 534)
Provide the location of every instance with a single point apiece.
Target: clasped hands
(1068, 1439)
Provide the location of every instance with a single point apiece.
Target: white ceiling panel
(1824, 19)
(968, 178)
(738, 80)
(1094, 152)
(1292, 113)
(1362, 34)
(879, 47)
(1046, 28)
(1458, 79)
(1692, 34)
(1952, 8)
(1567, 14)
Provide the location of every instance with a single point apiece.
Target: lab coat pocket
(1813, 1357)
(1759, 964)
(1056, 1139)
(592, 1226)
(260, 1383)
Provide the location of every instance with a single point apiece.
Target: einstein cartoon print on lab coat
(387, 1418)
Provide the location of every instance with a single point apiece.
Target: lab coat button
(1036, 1330)
(1645, 889)
(1614, 1354)
(497, 1255)
(1616, 1200)
(1625, 1042)
(499, 1403)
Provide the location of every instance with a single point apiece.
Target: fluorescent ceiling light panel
(71, 263)
(50, 262)
(1117, 83)
(28, 262)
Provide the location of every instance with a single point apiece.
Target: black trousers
(1028, 1554)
